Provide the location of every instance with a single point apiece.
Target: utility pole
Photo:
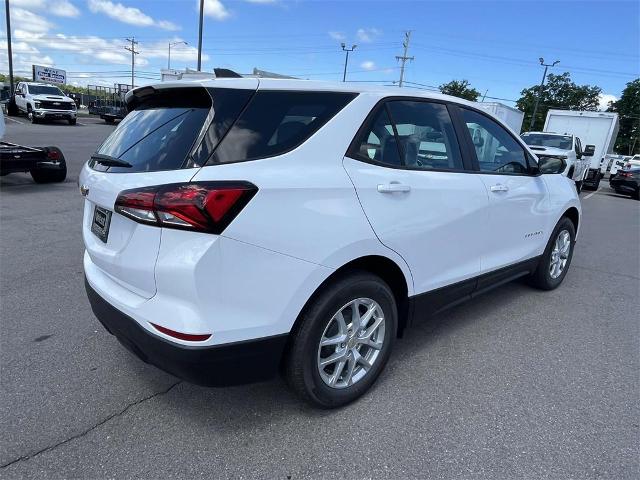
(404, 57)
(173, 44)
(9, 48)
(346, 59)
(544, 75)
(200, 35)
(133, 51)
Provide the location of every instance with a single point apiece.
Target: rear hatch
(165, 139)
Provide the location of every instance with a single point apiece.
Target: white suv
(235, 228)
(39, 101)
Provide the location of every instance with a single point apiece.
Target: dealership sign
(49, 75)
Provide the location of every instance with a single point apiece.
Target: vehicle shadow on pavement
(247, 406)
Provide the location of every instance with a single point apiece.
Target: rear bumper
(219, 365)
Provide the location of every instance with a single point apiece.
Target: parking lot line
(591, 194)
(13, 120)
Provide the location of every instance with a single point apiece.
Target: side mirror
(551, 165)
(589, 150)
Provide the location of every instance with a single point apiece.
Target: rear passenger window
(421, 136)
(275, 122)
(497, 151)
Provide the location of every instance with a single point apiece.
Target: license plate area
(100, 223)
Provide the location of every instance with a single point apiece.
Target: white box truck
(599, 129)
(512, 117)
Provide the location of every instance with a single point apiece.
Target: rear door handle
(499, 188)
(393, 187)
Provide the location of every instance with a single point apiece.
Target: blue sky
(494, 45)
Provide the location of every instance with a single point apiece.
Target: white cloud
(604, 99)
(367, 35)
(26, 20)
(63, 8)
(339, 36)
(113, 57)
(27, 4)
(214, 8)
(368, 65)
(130, 15)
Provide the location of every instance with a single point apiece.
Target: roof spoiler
(226, 73)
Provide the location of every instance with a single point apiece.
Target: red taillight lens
(202, 206)
(189, 337)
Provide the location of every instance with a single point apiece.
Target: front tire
(343, 341)
(72, 121)
(31, 115)
(556, 258)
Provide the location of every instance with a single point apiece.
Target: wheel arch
(379, 265)
(573, 215)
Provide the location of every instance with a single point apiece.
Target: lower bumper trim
(215, 366)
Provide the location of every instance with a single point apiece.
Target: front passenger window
(496, 149)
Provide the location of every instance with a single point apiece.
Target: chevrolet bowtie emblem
(84, 190)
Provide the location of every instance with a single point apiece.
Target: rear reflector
(202, 206)
(189, 337)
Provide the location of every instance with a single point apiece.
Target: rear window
(276, 122)
(159, 133)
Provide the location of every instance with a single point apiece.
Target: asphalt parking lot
(515, 384)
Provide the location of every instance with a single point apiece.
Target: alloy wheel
(351, 343)
(560, 254)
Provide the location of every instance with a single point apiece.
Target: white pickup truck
(40, 101)
(565, 146)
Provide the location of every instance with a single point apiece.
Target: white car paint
(26, 100)
(577, 167)
(315, 211)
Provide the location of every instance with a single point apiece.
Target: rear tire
(51, 175)
(12, 108)
(330, 318)
(556, 258)
(72, 121)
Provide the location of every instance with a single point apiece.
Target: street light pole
(200, 35)
(173, 45)
(544, 76)
(346, 59)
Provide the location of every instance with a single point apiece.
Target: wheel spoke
(333, 358)
(349, 375)
(361, 360)
(342, 323)
(337, 372)
(340, 338)
(372, 344)
(369, 331)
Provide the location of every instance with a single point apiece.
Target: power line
(404, 57)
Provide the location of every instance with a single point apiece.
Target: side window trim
(469, 143)
(467, 160)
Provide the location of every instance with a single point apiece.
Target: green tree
(559, 92)
(628, 108)
(460, 88)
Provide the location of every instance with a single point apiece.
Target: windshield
(563, 142)
(44, 90)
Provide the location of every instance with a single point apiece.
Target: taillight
(201, 206)
(626, 174)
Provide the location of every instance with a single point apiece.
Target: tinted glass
(275, 122)
(44, 90)
(562, 142)
(159, 133)
(426, 136)
(378, 142)
(496, 149)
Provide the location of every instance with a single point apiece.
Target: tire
(12, 108)
(637, 194)
(110, 121)
(32, 118)
(578, 187)
(72, 121)
(318, 321)
(51, 175)
(542, 277)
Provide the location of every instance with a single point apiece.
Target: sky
(495, 45)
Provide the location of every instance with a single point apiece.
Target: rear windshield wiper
(109, 161)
